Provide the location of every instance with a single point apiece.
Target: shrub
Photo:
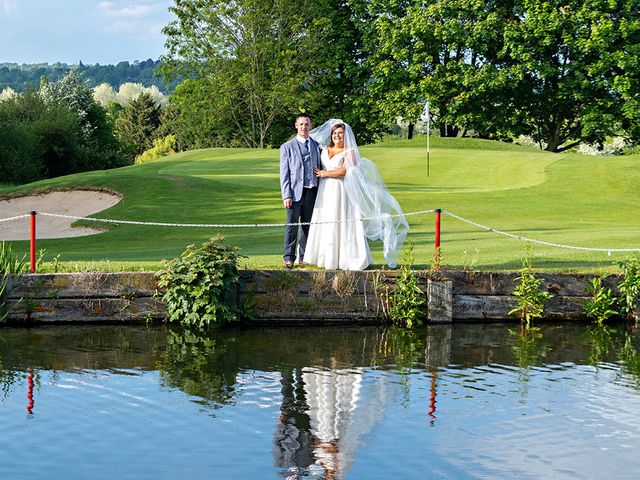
(200, 286)
(10, 267)
(611, 146)
(137, 123)
(530, 299)
(602, 303)
(407, 299)
(629, 288)
(162, 147)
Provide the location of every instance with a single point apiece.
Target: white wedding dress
(333, 242)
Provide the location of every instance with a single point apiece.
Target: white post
(426, 118)
(428, 134)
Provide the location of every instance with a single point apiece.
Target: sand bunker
(80, 203)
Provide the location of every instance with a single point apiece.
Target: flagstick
(428, 133)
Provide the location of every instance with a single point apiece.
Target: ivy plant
(602, 304)
(530, 298)
(629, 288)
(408, 298)
(200, 286)
(11, 267)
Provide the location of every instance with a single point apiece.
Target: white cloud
(156, 29)
(8, 6)
(113, 10)
(123, 26)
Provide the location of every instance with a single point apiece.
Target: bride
(352, 205)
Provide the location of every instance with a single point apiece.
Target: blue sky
(91, 31)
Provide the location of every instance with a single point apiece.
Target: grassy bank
(560, 198)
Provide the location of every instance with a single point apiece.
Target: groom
(299, 186)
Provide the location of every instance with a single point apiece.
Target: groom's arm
(285, 177)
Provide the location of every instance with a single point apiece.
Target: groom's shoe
(288, 264)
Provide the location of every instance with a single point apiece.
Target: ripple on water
(467, 419)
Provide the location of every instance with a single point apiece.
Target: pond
(462, 401)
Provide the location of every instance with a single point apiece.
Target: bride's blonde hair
(333, 129)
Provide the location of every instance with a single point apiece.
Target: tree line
(20, 77)
(561, 71)
(65, 127)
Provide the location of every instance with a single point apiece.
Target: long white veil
(381, 213)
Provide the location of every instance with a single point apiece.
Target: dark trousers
(299, 212)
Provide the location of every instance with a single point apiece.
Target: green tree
(568, 60)
(18, 162)
(70, 91)
(562, 71)
(138, 122)
(257, 57)
(195, 120)
(37, 140)
(440, 51)
(56, 130)
(343, 75)
(96, 143)
(59, 141)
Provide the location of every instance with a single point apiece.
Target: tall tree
(138, 122)
(441, 51)
(256, 55)
(97, 144)
(343, 75)
(570, 62)
(561, 71)
(196, 121)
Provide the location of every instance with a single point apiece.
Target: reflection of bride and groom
(325, 181)
(326, 415)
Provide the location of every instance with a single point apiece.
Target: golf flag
(425, 113)
(425, 118)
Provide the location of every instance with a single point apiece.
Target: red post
(432, 396)
(32, 255)
(437, 252)
(30, 391)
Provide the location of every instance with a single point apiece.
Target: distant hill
(19, 77)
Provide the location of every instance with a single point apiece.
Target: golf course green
(567, 199)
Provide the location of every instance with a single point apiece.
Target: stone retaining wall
(299, 296)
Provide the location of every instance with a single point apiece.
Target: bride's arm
(337, 173)
(349, 161)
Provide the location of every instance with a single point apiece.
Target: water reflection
(30, 403)
(292, 440)
(327, 403)
(198, 363)
(601, 338)
(432, 398)
(326, 414)
(328, 410)
(630, 358)
(529, 348)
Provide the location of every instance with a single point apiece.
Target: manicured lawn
(560, 198)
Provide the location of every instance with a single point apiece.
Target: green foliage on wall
(200, 286)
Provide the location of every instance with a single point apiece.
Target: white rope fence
(17, 217)
(272, 225)
(219, 225)
(539, 242)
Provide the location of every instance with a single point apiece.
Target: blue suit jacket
(292, 170)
